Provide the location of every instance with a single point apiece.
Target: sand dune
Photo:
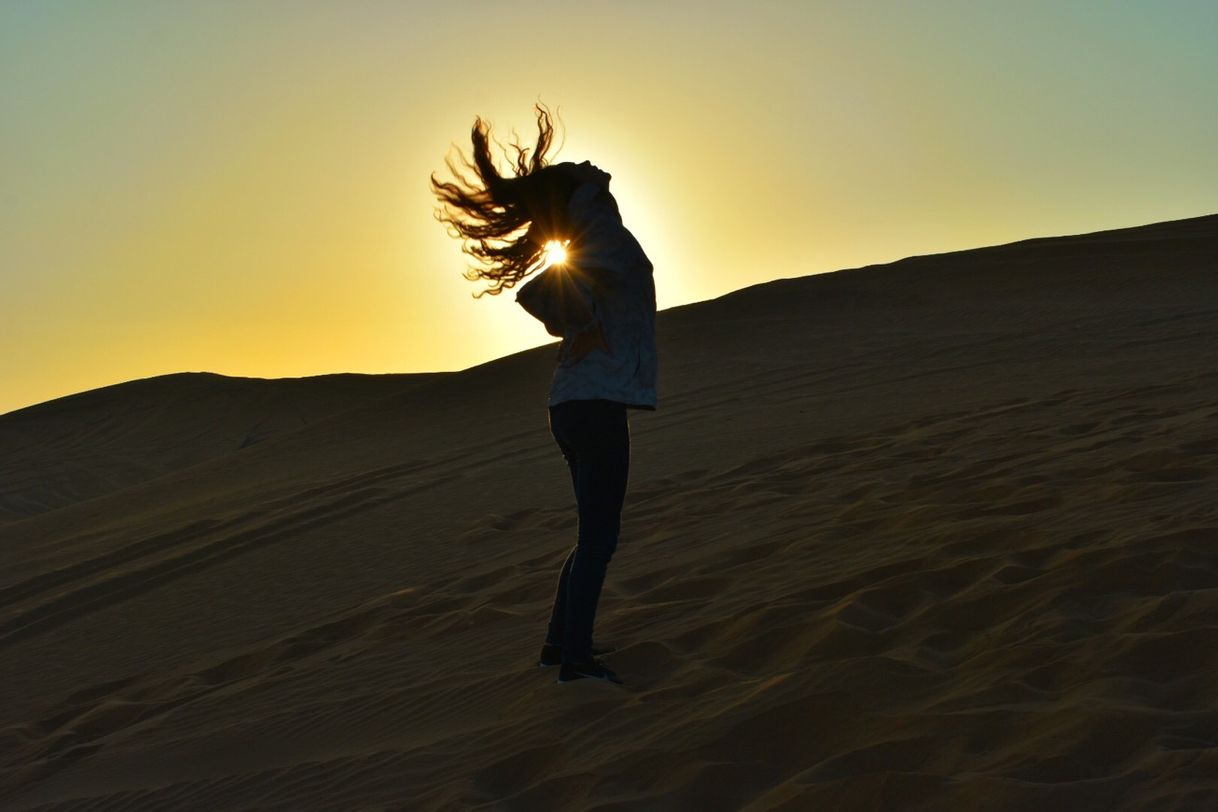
(935, 534)
(93, 443)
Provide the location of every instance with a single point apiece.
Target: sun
(556, 252)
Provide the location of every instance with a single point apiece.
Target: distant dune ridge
(92, 443)
(936, 534)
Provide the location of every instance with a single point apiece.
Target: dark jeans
(594, 437)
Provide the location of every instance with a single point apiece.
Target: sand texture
(939, 534)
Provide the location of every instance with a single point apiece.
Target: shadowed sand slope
(92, 443)
(935, 534)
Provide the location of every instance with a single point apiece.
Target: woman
(595, 290)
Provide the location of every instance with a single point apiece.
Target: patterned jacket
(602, 303)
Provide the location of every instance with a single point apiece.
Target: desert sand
(937, 534)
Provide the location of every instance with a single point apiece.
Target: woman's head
(490, 211)
(587, 172)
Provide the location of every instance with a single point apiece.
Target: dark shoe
(592, 669)
(552, 655)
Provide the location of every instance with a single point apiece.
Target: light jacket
(602, 303)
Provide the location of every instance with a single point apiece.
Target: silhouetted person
(600, 299)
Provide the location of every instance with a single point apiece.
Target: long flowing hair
(505, 221)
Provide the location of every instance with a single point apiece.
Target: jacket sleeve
(559, 300)
(602, 247)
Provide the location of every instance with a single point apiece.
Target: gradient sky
(242, 187)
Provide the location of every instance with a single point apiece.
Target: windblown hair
(505, 220)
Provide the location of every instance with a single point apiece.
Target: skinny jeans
(594, 437)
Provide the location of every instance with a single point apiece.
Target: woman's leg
(597, 435)
(558, 615)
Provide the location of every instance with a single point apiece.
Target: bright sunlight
(556, 252)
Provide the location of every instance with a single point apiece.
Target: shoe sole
(562, 681)
(580, 675)
(599, 653)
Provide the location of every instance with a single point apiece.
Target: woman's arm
(557, 299)
(601, 246)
